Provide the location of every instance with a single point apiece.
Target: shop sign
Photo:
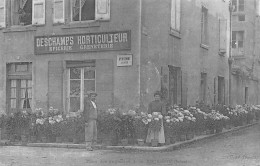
(104, 41)
(124, 60)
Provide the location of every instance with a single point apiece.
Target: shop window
(19, 86)
(175, 14)
(85, 10)
(204, 25)
(81, 80)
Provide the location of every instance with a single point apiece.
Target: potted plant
(155, 124)
(108, 124)
(140, 126)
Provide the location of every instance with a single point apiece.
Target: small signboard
(124, 60)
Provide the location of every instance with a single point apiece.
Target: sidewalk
(132, 147)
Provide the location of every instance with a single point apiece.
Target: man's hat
(89, 93)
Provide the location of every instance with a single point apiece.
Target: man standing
(90, 116)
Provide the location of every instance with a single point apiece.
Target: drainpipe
(230, 60)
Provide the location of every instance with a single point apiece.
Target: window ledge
(20, 29)
(204, 46)
(175, 33)
(79, 24)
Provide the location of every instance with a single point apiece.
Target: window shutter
(2, 13)
(184, 93)
(55, 84)
(222, 35)
(102, 9)
(178, 15)
(58, 11)
(38, 12)
(104, 82)
(173, 14)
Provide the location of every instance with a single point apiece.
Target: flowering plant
(126, 124)
(140, 124)
(108, 121)
(155, 121)
(56, 123)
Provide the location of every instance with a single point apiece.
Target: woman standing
(156, 106)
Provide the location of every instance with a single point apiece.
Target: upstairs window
(86, 10)
(21, 12)
(204, 25)
(238, 43)
(27, 12)
(222, 36)
(175, 14)
(239, 5)
(2, 13)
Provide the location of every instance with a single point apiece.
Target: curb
(175, 146)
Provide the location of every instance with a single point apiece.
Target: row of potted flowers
(117, 127)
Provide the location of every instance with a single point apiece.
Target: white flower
(160, 116)
(156, 119)
(168, 121)
(149, 120)
(149, 116)
(145, 121)
(167, 117)
(155, 113)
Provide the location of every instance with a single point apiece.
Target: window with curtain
(85, 10)
(19, 86)
(21, 12)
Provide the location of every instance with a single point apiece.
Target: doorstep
(177, 145)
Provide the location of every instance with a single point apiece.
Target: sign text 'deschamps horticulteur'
(83, 42)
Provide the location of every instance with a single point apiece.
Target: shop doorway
(221, 90)
(174, 85)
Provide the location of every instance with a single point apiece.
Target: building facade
(245, 52)
(54, 51)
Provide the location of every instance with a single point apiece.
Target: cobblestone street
(241, 148)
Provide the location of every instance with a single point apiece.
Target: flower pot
(75, 140)
(44, 139)
(24, 139)
(173, 139)
(219, 130)
(167, 140)
(58, 139)
(33, 139)
(124, 142)
(140, 142)
(154, 142)
(189, 136)
(182, 137)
